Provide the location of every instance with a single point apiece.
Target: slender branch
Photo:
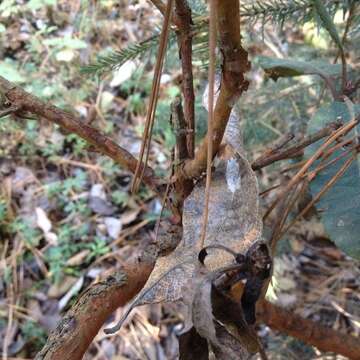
(214, 4)
(317, 197)
(347, 26)
(26, 102)
(162, 8)
(320, 151)
(235, 64)
(159, 5)
(184, 35)
(280, 154)
(310, 332)
(283, 213)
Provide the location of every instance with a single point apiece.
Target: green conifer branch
(276, 11)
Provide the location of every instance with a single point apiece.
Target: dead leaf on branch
(234, 223)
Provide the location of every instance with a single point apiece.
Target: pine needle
(150, 116)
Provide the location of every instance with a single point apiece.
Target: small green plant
(78, 144)
(97, 248)
(79, 207)
(34, 334)
(119, 197)
(28, 233)
(3, 210)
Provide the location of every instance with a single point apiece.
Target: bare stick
(317, 197)
(211, 79)
(281, 154)
(184, 35)
(284, 213)
(340, 132)
(311, 332)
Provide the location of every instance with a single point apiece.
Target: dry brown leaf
(202, 312)
(234, 222)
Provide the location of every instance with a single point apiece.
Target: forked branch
(233, 82)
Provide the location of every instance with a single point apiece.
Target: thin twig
(347, 27)
(284, 213)
(340, 132)
(159, 5)
(184, 35)
(280, 154)
(317, 197)
(311, 174)
(212, 60)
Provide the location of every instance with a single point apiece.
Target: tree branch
(162, 8)
(310, 332)
(159, 5)
(277, 154)
(75, 332)
(25, 102)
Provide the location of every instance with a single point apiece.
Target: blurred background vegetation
(66, 213)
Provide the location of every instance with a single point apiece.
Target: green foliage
(63, 188)
(29, 234)
(37, 4)
(327, 22)
(78, 144)
(34, 334)
(79, 207)
(8, 8)
(71, 240)
(276, 11)
(3, 210)
(9, 67)
(98, 247)
(340, 206)
(11, 7)
(275, 68)
(120, 198)
(114, 59)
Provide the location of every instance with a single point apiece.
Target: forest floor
(67, 217)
